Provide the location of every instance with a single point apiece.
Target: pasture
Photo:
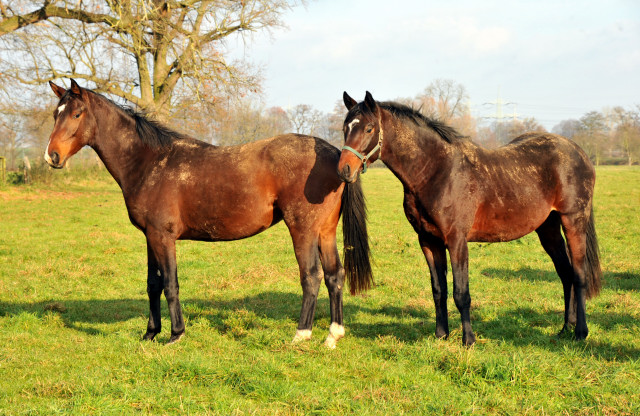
(73, 309)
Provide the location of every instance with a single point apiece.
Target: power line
(499, 103)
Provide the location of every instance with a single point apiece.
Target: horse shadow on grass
(527, 322)
(610, 280)
(80, 314)
(519, 326)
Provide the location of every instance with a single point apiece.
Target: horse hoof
(442, 334)
(175, 338)
(301, 335)
(331, 343)
(565, 332)
(581, 335)
(336, 331)
(149, 336)
(468, 340)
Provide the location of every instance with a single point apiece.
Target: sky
(552, 60)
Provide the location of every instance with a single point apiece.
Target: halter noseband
(364, 159)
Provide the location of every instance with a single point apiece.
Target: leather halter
(362, 158)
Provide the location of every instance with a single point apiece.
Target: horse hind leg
(306, 250)
(163, 249)
(334, 280)
(575, 231)
(551, 239)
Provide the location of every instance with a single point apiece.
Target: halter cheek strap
(373, 151)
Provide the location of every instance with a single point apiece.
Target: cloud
(471, 36)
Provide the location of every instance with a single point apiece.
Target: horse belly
(493, 225)
(229, 216)
(229, 225)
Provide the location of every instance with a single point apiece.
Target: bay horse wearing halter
(456, 192)
(176, 187)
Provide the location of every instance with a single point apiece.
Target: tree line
(170, 58)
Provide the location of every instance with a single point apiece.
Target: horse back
(303, 172)
(506, 193)
(202, 192)
(522, 182)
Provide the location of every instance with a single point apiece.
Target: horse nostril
(345, 173)
(55, 158)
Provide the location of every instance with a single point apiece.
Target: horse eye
(369, 129)
(77, 115)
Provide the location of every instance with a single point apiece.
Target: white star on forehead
(61, 108)
(353, 123)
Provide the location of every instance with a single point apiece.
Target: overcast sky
(554, 59)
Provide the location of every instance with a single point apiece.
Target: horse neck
(118, 146)
(414, 154)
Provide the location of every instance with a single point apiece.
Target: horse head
(74, 124)
(362, 137)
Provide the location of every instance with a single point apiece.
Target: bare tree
(334, 122)
(444, 99)
(277, 121)
(305, 119)
(152, 53)
(13, 17)
(517, 127)
(567, 128)
(244, 121)
(487, 137)
(592, 134)
(627, 132)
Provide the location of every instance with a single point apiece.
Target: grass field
(73, 309)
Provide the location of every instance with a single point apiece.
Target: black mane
(151, 132)
(401, 111)
(446, 132)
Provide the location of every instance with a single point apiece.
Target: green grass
(73, 308)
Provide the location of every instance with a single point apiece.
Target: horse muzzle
(349, 166)
(53, 160)
(347, 175)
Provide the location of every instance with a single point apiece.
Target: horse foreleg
(154, 290)
(310, 278)
(164, 250)
(460, 267)
(436, 256)
(334, 280)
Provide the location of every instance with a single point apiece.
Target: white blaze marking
(47, 158)
(46, 154)
(353, 123)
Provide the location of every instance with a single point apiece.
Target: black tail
(592, 269)
(357, 262)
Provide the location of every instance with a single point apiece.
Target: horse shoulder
(418, 215)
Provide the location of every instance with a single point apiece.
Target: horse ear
(348, 101)
(371, 104)
(59, 91)
(75, 88)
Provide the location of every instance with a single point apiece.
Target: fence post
(3, 169)
(27, 170)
